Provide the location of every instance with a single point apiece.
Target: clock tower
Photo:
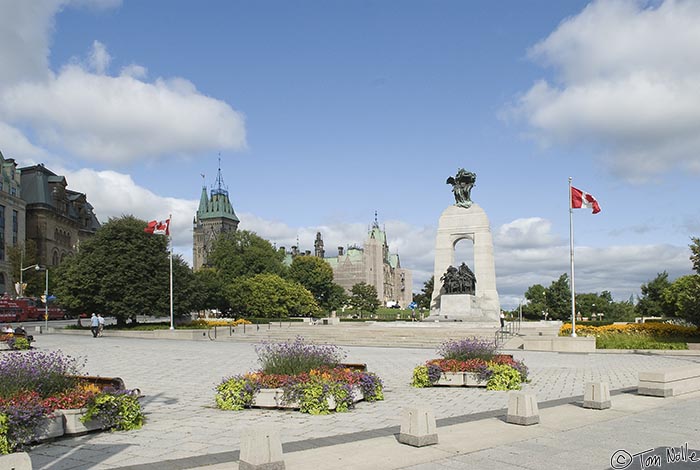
(214, 217)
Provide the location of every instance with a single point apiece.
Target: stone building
(12, 218)
(57, 218)
(373, 264)
(214, 217)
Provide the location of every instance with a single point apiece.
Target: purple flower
(468, 348)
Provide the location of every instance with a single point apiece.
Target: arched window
(54, 258)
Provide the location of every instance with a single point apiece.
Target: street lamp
(21, 277)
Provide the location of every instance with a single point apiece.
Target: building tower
(319, 252)
(214, 217)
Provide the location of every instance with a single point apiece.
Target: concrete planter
(49, 428)
(460, 379)
(273, 398)
(73, 426)
(451, 379)
(471, 379)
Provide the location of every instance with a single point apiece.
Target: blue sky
(325, 111)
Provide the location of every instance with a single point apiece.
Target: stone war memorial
(460, 293)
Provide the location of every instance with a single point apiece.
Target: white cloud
(16, 145)
(114, 194)
(530, 232)
(626, 85)
(99, 58)
(84, 111)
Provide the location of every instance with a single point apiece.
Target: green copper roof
(216, 206)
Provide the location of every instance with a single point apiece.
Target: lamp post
(46, 300)
(21, 276)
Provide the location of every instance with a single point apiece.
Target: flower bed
(43, 396)
(302, 376)
(471, 362)
(637, 335)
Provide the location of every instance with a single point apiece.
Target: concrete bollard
(522, 409)
(16, 461)
(418, 427)
(597, 396)
(261, 449)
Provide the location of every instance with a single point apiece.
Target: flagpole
(170, 241)
(571, 249)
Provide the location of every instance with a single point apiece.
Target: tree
(684, 297)
(425, 296)
(243, 253)
(316, 275)
(121, 271)
(209, 291)
(337, 297)
(559, 299)
(270, 296)
(695, 253)
(364, 298)
(536, 306)
(652, 303)
(21, 256)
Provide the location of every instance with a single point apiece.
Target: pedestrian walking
(94, 325)
(503, 319)
(100, 324)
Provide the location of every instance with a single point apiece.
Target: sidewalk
(183, 430)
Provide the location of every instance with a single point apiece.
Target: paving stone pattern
(177, 379)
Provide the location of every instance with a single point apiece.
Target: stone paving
(177, 379)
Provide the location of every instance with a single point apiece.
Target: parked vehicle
(27, 309)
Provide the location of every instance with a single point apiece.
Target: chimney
(340, 251)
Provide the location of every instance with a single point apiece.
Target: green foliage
(122, 271)
(559, 299)
(4, 428)
(364, 298)
(20, 343)
(695, 253)
(336, 298)
(636, 340)
(244, 254)
(117, 410)
(652, 302)
(270, 296)
(316, 276)
(209, 291)
(504, 378)
(235, 393)
(420, 377)
(426, 293)
(21, 256)
(684, 297)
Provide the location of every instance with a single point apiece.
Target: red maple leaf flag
(581, 199)
(158, 227)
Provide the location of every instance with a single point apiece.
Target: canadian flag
(158, 227)
(581, 199)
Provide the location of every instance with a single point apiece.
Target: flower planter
(73, 426)
(471, 379)
(451, 379)
(273, 398)
(460, 379)
(49, 428)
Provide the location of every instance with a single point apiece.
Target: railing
(510, 329)
(215, 331)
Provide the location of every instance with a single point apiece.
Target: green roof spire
(217, 205)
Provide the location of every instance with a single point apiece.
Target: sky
(322, 112)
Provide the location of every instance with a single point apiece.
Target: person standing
(503, 319)
(94, 325)
(100, 324)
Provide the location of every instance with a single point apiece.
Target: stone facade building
(12, 218)
(214, 216)
(372, 264)
(57, 218)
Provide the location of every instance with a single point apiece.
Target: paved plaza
(184, 430)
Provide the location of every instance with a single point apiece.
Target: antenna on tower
(220, 188)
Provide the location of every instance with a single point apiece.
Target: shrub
(635, 340)
(468, 348)
(297, 357)
(4, 428)
(19, 343)
(118, 409)
(46, 373)
(236, 393)
(503, 377)
(24, 413)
